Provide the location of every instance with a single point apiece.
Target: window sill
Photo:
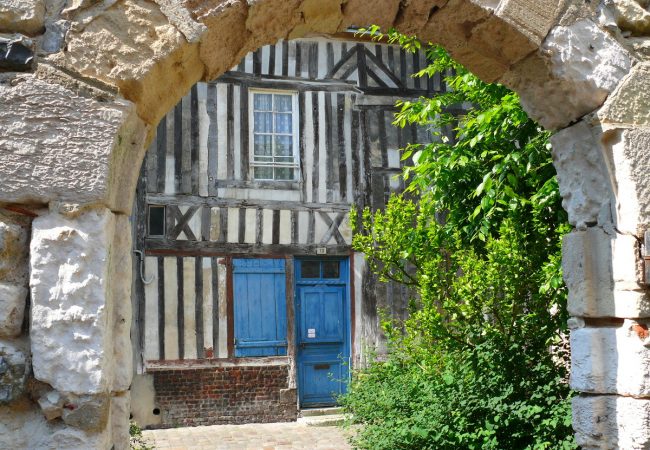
(258, 184)
(191, 364)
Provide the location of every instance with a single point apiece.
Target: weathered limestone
(325, 16)
(120, 412)
(72, 338)
(13, 249)
(357, 13)
(88, 413)
(13, 273)
(224, 42)
(14, 369)
(84, 160)
(582, 176)
(627, 149)
(572, 74)
(23, 16)
(629, 104)
(52, 404)
(611, 360)
(133, 45)
(12, 309)
(631, 16)
(275, 17)
(604, 275)
(534, 18)
(121, 269)
(453, 27)
(610, 421)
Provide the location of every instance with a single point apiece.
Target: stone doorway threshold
(321, 417)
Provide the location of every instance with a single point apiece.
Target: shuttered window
(259, 300)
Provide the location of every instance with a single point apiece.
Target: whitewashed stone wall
(84, 82)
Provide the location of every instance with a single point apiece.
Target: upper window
(274, 133)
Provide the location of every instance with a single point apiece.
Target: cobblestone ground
(269, 436)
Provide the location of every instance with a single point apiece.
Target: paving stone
(268, 436)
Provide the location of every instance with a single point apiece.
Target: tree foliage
(481, 362)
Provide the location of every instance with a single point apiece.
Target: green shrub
(482, 360)
(474, 368)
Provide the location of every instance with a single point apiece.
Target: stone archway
(86, 81)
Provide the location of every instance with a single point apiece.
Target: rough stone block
(610, 360)
(72, 307)
(164, 66)
(414, 14)
(14, 370)
(452, 26)
(120, 410)
(572, 74)
(357, 13)
(582, 176)
(13, 299)
(630, 16)
(120, 291)
(630, 103)
(88, 413)
(223, 46)
(24, 16)
(13, 249)
(23, 426)
(532, 17)
(628, 150)
(602, 273)
(52, 405)
(318, 16)
(45, 159)
(608, 422)
(54, 37)
(270, 20)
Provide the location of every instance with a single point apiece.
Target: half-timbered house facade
(249, 302)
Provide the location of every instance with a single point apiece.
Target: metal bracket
(141, 264)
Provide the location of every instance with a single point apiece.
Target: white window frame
(295, 136)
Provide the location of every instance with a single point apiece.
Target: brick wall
(224, 395)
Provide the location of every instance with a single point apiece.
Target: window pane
(263, 122)
(284, 173)
(156, 220)
(310, 269)
(331, 269)
(283, 146)
(263, 145)
(262, 102)
(282, 103)
(283, 123)
(263, 173)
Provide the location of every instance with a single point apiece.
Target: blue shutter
(259, 297)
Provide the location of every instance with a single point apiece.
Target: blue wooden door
(323, 330)
(260, 306)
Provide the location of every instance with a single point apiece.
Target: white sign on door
(311, 333)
